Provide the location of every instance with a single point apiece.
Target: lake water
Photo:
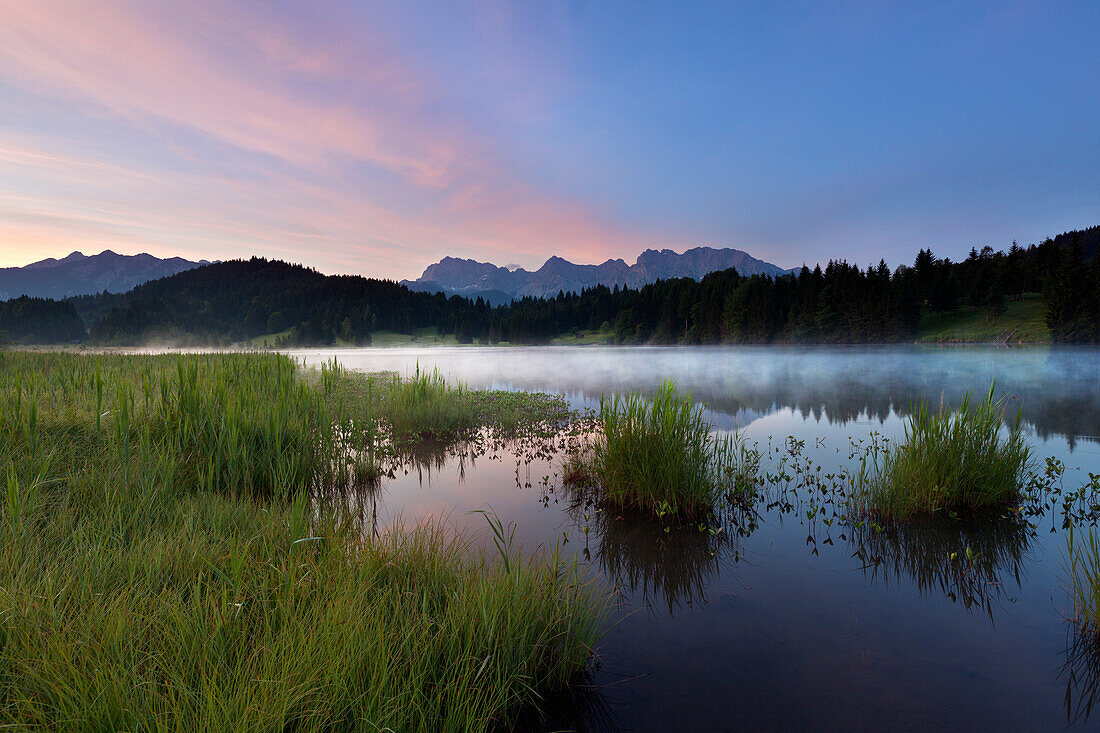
(793, 618)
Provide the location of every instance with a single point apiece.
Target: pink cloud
(84, 203)
(340, 149)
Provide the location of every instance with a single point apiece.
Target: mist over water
(1057, 388)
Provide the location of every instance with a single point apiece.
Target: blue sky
(377, 138)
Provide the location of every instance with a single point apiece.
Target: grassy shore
(1023, 321)
(166, 562)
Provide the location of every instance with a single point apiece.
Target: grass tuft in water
(425, 406)
(953, 460)
(1081, 566)
(660, 456)
(1081, 670)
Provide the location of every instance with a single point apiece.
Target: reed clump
(425, 406)
(964, 459)
(165, 563)
(661, 456)
(244, 424)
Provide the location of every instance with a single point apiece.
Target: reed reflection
(1081, 673)
(428, 457)
(970, 561)
(670, 565)
(583, 707)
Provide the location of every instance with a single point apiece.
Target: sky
(376, 138)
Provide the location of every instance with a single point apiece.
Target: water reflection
(970, 561)
(362, 504)
(664, 563)
(582, 707)
(426, 457)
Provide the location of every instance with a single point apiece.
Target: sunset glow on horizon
(376, 139)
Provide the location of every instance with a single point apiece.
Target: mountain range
(80, 274)
(498, 285)
(243, 300)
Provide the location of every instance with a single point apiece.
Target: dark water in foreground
(795, 619)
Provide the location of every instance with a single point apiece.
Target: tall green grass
(1081, 669)
(950, 460)
(223, 423)
(1081, 567)
(165, 562)
(661, 456)
(425, 406)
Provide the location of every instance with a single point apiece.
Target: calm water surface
(786, 622)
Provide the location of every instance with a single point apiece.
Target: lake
(792, 616)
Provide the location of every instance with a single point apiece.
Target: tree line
(840, 303)
(28, 320)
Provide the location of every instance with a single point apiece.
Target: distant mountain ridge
(495, 284)
(80, 274)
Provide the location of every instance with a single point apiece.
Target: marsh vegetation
(166, 561)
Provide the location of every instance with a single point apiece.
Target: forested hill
(285, 304)
(241, 299)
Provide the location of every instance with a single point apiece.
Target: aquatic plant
(424, 407)
(949, 461)
(173, 565)
(364, 471)
(1081, 670)
(661, 456)
(524, 415)
(578, 470)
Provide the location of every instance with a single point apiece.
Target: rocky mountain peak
(470, 277)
